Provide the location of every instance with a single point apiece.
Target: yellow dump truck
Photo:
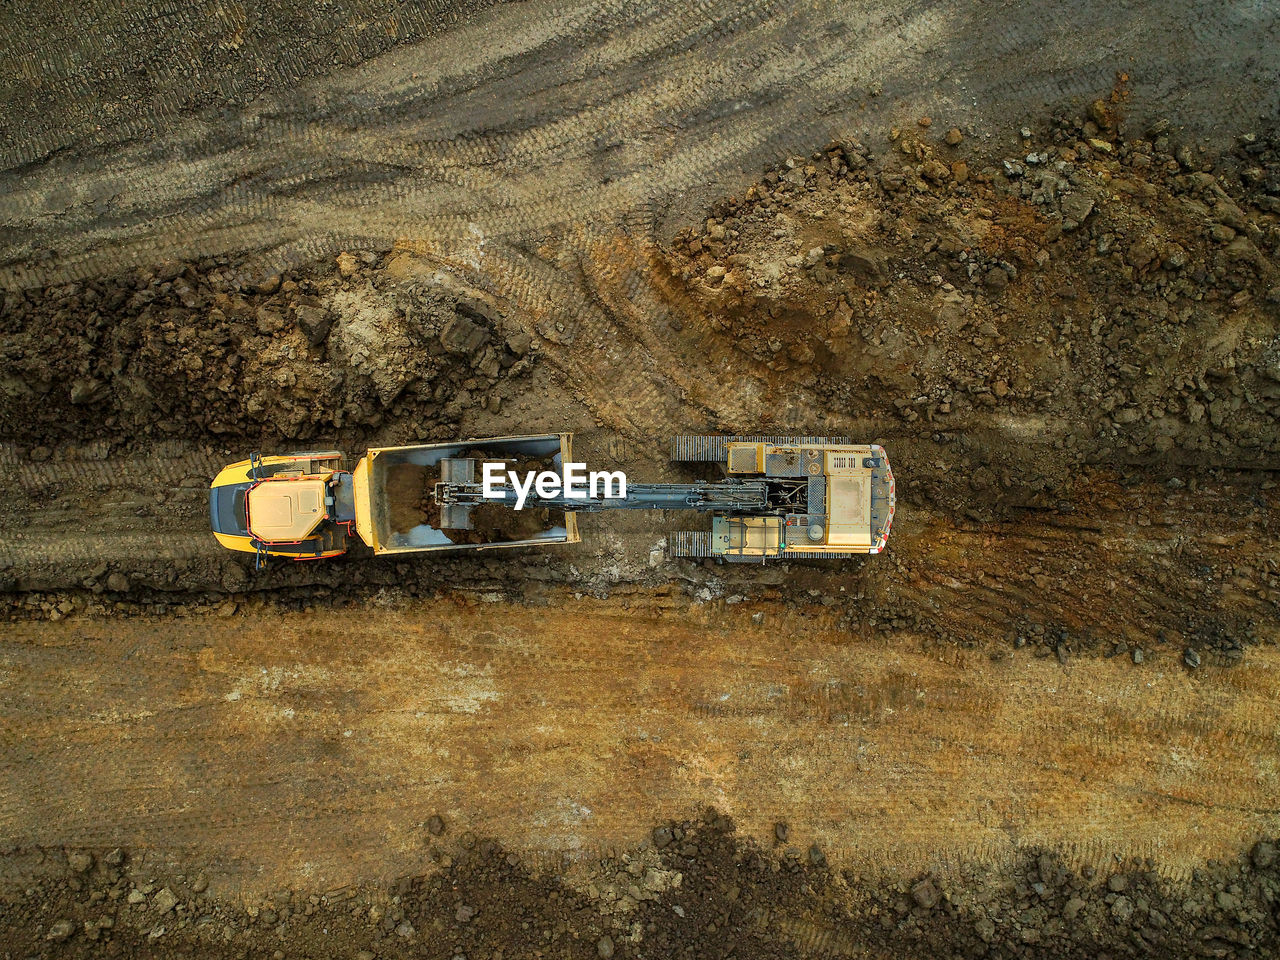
(782, 497)
(307, 506)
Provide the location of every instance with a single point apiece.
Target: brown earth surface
(274, 752)
(1042, 724)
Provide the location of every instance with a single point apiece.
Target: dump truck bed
(396, 510)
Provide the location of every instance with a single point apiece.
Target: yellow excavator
(781, 497)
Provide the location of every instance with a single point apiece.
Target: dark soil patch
(410, 493)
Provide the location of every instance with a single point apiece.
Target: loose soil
(410, 493)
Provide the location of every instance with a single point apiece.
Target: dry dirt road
(268, 751)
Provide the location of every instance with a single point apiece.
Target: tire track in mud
(88, 508)
(528, 135)
(336, 736)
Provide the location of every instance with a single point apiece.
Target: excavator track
(714, 449)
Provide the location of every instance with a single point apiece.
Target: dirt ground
(1033, 250)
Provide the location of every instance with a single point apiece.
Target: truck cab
(299, 506)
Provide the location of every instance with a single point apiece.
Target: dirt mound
(1099, 297)
(200, 349)
(694, 888)
(411, 501)
(494, 523)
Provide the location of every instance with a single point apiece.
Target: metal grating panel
(817, 502)
(689, 543)
(783, 464)
(742, 460)
(794, 555)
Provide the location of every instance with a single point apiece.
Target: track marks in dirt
(90, 506)
(528, 137)
(336, 736)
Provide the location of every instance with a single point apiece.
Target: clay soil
(1041, 724)
(410, 493)
(410, 497)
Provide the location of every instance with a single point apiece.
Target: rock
(405, 929)
(1228, 213)
(1000, 388)
(781, 831)
(1117, 883)
(1226, 901)
(1076, 207)
(925, 894)
(315, 323)
(200, 885)
(1263, 855)
(985, 928)
(41, 454)
(954, 137)
(1100, 115)
(1219, 232)
(165, 900)
(935, 171)
(662, 837)
(87, 391)
(1142, 254)
(715, 273)
(115, 858)
(1046, 868)
(519, 343)
(816, 857)
(1072, 908)
(136, 896)
(960, 171)
(347, 264)
(61, 930)
(461, 336)
(1137, 655)
(604, 947)
(1241, 248)
(366, 955)
(995, 279)
(1191, 658)
(1122, 909)
(79, 861)
(435, 825)
(118, 582)
(270, 321)
(464, 913)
